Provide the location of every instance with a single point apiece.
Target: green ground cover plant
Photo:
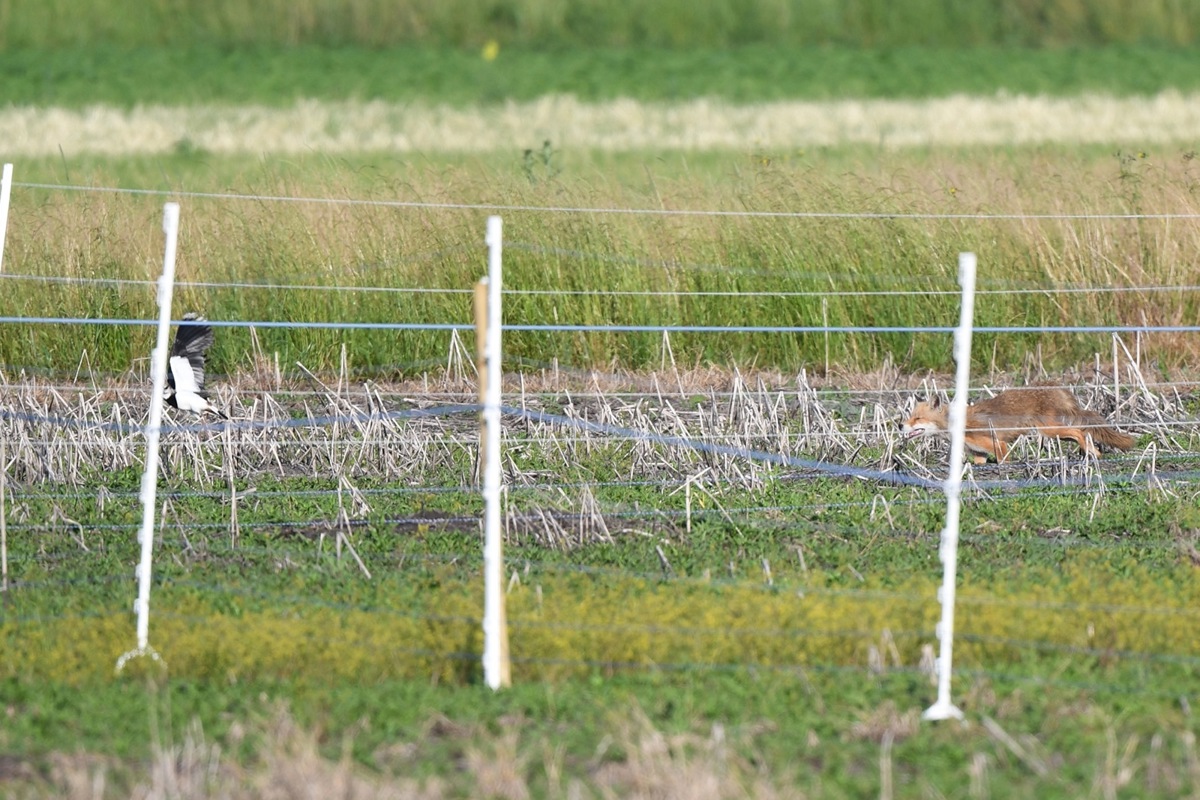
(784, 614)
(278, 635)
(560, 24)
(197, 74)
(666, 734)
(423, 624)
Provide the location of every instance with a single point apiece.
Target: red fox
(994, 424)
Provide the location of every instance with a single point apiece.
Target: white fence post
(943, 708)
(158, 372)
(496, 671)
(5, 196)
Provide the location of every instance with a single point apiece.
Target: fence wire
(540, 501)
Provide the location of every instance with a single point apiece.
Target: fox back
(992, 425)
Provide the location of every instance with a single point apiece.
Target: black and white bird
(185, 373)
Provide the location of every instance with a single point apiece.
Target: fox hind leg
(1081, 437)
(1086, 445)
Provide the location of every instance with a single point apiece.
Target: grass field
(81, 77)
(684, 621)
(955, 157)
(677, 598)
(559, 25)
(601, 269)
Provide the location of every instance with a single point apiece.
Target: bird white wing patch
(184, 378)
(192, 340)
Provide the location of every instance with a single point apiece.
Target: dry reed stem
(342, 434)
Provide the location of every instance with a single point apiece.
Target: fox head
(926, 418)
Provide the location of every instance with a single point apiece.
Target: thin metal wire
(380, 326)
(369, 389)
(651, 212)
(1032, 290)
(218, 285)
(133, 428)
(614, 328)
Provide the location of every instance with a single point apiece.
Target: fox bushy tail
(1103, 433)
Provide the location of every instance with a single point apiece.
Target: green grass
(788, 620)
(278, 605)
(558, 24)
(827, 748)
(615, 269)
(1068, 644)
(82, 76)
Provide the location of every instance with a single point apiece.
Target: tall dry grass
(657, 269)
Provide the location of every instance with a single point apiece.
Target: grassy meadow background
(559, 23)
(780, 653)
(502, 109)
(592, 268)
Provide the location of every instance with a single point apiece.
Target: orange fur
(994, 424)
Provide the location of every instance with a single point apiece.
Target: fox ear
(936, 402)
